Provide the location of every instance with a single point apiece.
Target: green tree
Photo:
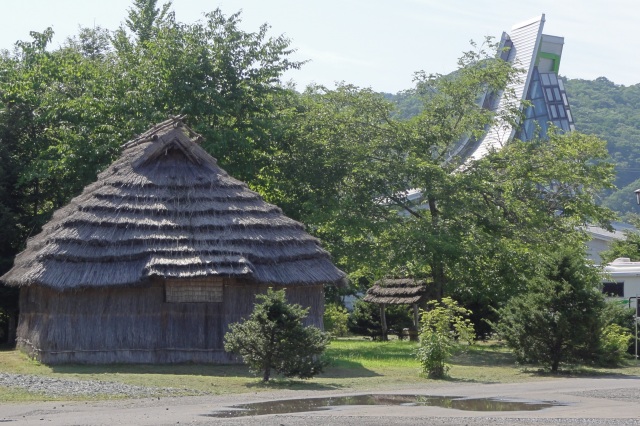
(64, 112)
(610, 111)
(443, 331)
(335, 320)
(144, 18)
(486, 223)
(559, 319)
(274, 338)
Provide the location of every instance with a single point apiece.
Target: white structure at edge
(539, 56)
(624, 275)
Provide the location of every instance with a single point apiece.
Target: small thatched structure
(399, 291)
(152, 262)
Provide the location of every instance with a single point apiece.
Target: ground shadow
(347, 369)
(577, 372)
(483, 358)
(288, 384)
(336, 369)
(211, 370)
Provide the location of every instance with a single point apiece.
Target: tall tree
(144, 18)
(65, 111)
(559, 319)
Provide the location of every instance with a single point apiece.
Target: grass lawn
(355, 365)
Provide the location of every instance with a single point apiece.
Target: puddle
(316, 404)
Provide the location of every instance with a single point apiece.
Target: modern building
(539, 92)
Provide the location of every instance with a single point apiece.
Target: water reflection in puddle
(316, 404)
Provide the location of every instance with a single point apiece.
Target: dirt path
(586, 401)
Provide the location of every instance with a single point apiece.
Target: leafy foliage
(342, 160)
(335, 320)
(443, 329)
(600, 108)
(627, 247)
(622, 316)
(610, 111)
(614, 343)
(274, 338)
(65, 111)
(558, 320)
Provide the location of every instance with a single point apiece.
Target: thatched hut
(153, 261)
(398, 291)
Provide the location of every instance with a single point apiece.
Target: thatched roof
(403, 291)
(166, 209)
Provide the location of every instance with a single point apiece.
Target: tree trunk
(437, 263)
(383, 322)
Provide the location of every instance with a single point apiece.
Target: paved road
(586, 401)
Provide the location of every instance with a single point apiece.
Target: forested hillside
(600, 107)
(612, 111)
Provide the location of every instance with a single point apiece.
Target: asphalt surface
(579, 401)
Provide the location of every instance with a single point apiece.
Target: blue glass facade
(547, 104)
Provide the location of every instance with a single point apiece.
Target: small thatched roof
(404, 291)
(166, 209)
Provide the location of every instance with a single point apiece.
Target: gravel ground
(623, 394)
(89, 388)
(604, 401)
(436, 421)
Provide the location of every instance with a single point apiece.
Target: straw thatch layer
(165, 209)
(397, 292)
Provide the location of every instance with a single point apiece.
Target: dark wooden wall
(136, 325)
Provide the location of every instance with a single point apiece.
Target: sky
(378, 43)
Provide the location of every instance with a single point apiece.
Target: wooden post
(415, 334)
(383, 322)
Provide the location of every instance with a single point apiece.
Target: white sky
(380, 43)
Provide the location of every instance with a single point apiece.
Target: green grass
(355, 365)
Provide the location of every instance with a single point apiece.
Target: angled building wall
(539, 56)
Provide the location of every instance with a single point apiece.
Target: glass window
(545, 79)
(553, 78)
(613, 289)
(529, 112)
(540, 108)
(561, 111)
(528, 130)
(564, 125)
(534, 89)
(556, 94)
(549, 94)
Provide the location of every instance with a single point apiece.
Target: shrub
(622, 315)
(335, 320)
(274, 338)
(614, 342)
(443, 328)
(559, 318)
